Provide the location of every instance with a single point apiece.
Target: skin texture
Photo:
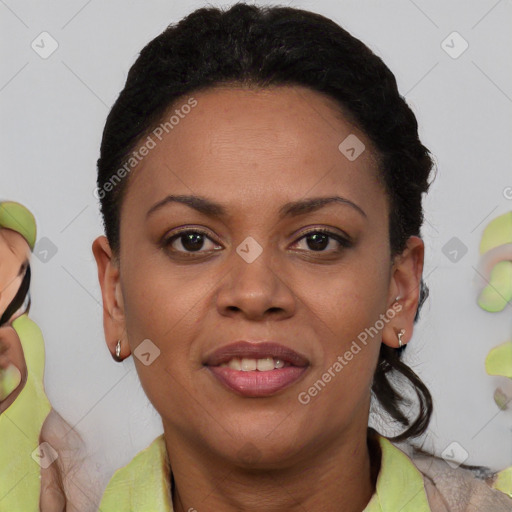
(254, 150)
(14, 255)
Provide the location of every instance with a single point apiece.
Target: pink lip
(256, 383)
(255, 350)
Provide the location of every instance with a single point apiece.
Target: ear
(405, 282)
(113, 307)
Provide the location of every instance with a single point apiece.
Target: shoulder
(457, 489)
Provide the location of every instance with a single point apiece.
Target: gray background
(53, 111)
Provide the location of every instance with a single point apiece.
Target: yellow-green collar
(143, 484)
(400, 486)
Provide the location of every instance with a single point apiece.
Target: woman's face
(249, 273)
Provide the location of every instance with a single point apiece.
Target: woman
(261, 181)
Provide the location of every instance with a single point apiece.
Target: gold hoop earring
(400, 334)
(117, 356)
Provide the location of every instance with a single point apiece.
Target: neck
(329, 478)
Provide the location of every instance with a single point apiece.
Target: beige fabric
(457, 489)
(71, 472)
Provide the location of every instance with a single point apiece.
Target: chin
(260, 447)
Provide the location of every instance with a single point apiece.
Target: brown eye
(190, 241)
(319, 239)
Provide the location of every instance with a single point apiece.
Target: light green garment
(143, 485)
(20, 426)
(503, 481)
(399, 483)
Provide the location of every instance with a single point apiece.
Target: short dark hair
(271, 46)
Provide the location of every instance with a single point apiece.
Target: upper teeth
(247, 364)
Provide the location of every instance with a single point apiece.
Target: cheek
(339, 386)
(340, 392)
(351, 297)
(348, 305)
(165, 307)
(162, 304)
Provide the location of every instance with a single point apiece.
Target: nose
(255, 288)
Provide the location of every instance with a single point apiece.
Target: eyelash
(343, 242)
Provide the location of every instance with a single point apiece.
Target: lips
(253, 382)
(258, 350)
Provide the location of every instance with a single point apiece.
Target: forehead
(262, 145)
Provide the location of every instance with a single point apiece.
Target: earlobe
(394, 334)
(405, 282)
(109, 279)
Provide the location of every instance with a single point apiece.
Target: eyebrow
(291, 209)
